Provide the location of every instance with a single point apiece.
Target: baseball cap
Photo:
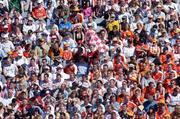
(1, 2)
(39, 1)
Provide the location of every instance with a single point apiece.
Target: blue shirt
(70, 41)
(66, 25)
(82, 68)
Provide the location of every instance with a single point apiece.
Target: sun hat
(76, 9)
(162, 102)
(130, 113)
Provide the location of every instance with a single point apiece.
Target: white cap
(46, 67)
(5, 35)
(20, 53)
(85, 85)
(1, 2)
(5, 26)
(39, 1)
(90, 24)
(150, 16)
(59, 66)
(159, 5)
(167, 40)
(47, 92)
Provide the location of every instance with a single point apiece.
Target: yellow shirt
(111, 24)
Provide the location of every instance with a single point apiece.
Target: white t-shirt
(148, 27)
(175, 100)
(21, 61)
(128, 51)
(26, 28)
(10, 70)
(171, 5)
(7, 46)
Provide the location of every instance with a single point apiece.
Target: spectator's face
(139, 26)
(98, 2)
(160, 85)
(109, 108)
(34, 77)
(99, 84)
(169, 1)
(24, 102)
(173, 83)
(17, 21)
(113, 115)
(59, 77)
(124, 84)
(137, 93)
(63, 86)
(72, 77)
(156, 68)
(62, 116)
(158, 9)
(95, 93)
(176, 91)
(139, 116)
(1, 5)
(177, 108)
(169, 67)
(99, 109)
(76, 117)
(41, 43)
(112, 83)
(161, 108)
(110, 74)
(29, 22)
(32, 62)
(90, 19)
(150, 19)
(148, 75)
(46, 78)
(151, 85)
(44, 62)
(122, 9)
(8, 61)
(135, 84)
(105, 67)
(124, 107)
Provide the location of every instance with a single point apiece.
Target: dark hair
(46, 74)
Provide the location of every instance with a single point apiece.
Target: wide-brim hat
(76, 9)
(162, 102)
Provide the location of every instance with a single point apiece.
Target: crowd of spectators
(89, 59)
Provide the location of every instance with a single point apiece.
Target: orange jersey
(165, 67)
(39, 13)
(149, 91)
(158, 76)
(162, 116)
(67, 55)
